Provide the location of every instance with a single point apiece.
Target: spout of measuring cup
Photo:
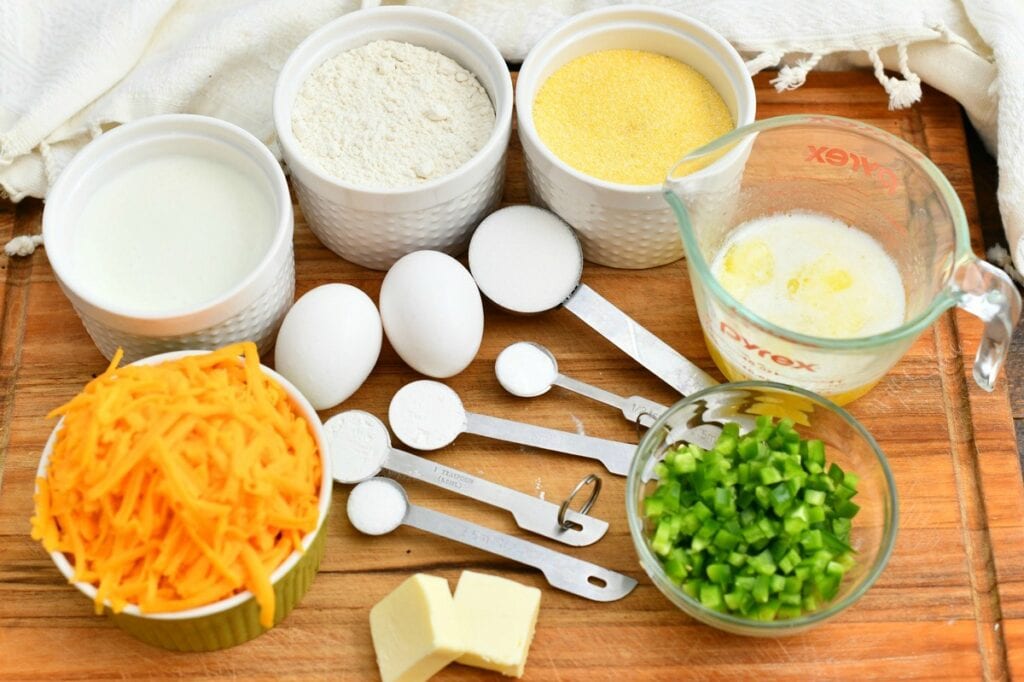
(988, 293)
(704, 188)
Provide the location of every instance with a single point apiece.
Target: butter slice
(498, 617)
(415, 630)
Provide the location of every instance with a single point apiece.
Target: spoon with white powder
(378, 506)
(427, 415)
(527, 370)
(360, 448)
(527, 260)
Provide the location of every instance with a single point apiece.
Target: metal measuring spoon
(427, 415)
(360, 448)
(378, 506)
(518, 250)
(527, 370)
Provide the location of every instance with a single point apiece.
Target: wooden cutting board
(949, 605)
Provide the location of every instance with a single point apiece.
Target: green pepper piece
(719, 573)
(815, 498)
(847, 509)
(724, 539)
(762, 589)
(711, 596)
(762, 563)
(684, 463)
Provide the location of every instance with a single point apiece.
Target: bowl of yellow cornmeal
(607, 104)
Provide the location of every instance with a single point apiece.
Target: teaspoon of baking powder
(379, 506)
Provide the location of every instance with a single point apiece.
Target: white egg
(432, 313)
(328, 343)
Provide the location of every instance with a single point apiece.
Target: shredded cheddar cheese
(176, 485)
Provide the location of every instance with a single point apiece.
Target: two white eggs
(430, 310)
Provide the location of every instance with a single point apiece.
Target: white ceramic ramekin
(374, 228)
(251, 311)
(234, 620)
(623, 226)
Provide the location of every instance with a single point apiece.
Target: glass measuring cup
(868, 179)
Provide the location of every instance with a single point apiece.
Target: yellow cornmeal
(627, 116)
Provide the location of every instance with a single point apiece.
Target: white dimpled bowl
(376, 227)
(622, 226)
(251, 310)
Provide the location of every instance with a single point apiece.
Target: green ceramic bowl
(234, 620)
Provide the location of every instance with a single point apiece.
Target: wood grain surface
(950, 605)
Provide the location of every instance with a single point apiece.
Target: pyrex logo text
(781, 360)
(840, 157)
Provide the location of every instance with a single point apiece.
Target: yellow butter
(498, 618)
(415, 630)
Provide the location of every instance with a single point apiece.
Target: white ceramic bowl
(251, 311)
(374, 228)
(623, 226)
(233, 620)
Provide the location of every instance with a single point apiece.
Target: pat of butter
(498, 617)
(415, 630)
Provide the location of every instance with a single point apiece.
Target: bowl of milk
(173, 232)
(820, 253)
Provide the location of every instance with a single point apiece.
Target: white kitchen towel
(72, 68)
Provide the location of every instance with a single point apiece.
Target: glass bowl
(847, 443)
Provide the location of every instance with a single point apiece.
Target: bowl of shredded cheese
(185, 495)
(604, 102)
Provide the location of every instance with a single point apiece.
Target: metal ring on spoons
(566, 505)
(527, 260)
(527, 370)
(360, 448)
(378, 506)
(428, 415)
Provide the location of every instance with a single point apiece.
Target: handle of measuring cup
(988, 293)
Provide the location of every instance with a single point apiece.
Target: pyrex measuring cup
(868, 179)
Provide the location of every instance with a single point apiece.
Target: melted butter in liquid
(812, 274)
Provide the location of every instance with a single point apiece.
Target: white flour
(390, 114)
(426, 415)
(358, 443)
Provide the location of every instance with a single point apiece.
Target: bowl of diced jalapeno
(761, 509)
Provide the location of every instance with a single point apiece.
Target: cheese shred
(177, 485)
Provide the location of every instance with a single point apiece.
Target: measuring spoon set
(428, 415)
(360, 448)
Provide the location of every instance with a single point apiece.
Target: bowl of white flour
(394, 123)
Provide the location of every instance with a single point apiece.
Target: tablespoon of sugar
(378, 506)
(360, 448)
(427, 415)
